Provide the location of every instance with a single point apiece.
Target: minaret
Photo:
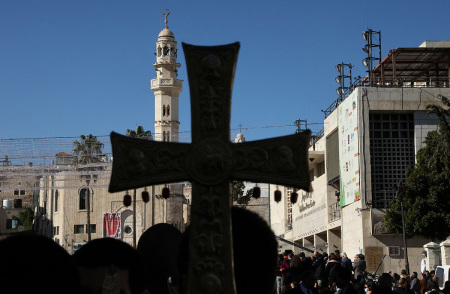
(166, 86)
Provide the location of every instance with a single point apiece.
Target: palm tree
(88, 150)
(140, 133)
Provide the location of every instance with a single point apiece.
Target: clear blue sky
(76, 67)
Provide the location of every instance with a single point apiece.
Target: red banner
(112, 225)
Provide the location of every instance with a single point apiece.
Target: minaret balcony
(166, 59)
(162, 83)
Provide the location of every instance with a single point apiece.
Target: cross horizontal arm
(139, 163)
(282, 161)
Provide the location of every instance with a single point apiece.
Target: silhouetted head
(158, 247)
(36, 264)
(107, 262)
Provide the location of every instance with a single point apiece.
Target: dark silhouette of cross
(210, 162)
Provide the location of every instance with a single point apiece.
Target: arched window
(164, 110)
(166, 51)
(168, 136)
(164, 136)
(84, 194)
(168, 110)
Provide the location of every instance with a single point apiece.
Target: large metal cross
(210, 162)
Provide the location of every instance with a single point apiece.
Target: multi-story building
(370, 137)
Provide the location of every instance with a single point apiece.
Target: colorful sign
(348, 150)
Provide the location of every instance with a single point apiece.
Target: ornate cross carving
(210, 162)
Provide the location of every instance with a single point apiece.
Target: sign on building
(348, 151)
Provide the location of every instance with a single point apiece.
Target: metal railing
(334, 211)
(399, 82)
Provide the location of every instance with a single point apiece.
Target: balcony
(334, 212)
(161, 83)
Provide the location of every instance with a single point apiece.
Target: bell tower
(166, 86)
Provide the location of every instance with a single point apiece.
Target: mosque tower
(166, 86)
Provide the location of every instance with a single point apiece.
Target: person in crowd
(338, 254)
(433, 286)
(360, 266)
(108, 264)
(446, 287)
(294, 285)
(306, 286)
(415, 284)
(159, 266)
(296, 269)
(370, 287)
(404, 274)
(424, 282)
(306, 261)
(319, 269)
(402, 287)
(334, 270)
(385, 282)
(280, 261)
(285, 274)
(40, 266)
(347, 265)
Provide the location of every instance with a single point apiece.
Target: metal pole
(88, 202)
(404, 240)
(153, 205)
(134, 218)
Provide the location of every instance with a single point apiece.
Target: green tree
(237, 193)
(426, 195)
(87, 150)
(25, 219)
(140, 133)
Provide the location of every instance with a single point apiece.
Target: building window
(56, 200)
(16, 192)
(22, 192)
(164, 110)
(84, 194)
(168, 136)
(168, 110)
(56, 231)
(11, 224)
(93, 229)
(391, 153)
(78, 229)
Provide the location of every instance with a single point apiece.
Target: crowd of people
(159, 265)
(337, 274)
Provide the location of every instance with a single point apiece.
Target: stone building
(17, 191)
(371, 135)
(74, 202)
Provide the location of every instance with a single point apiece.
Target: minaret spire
(166, 86)
(165, 18)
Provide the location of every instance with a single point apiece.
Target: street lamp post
(88, 204)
